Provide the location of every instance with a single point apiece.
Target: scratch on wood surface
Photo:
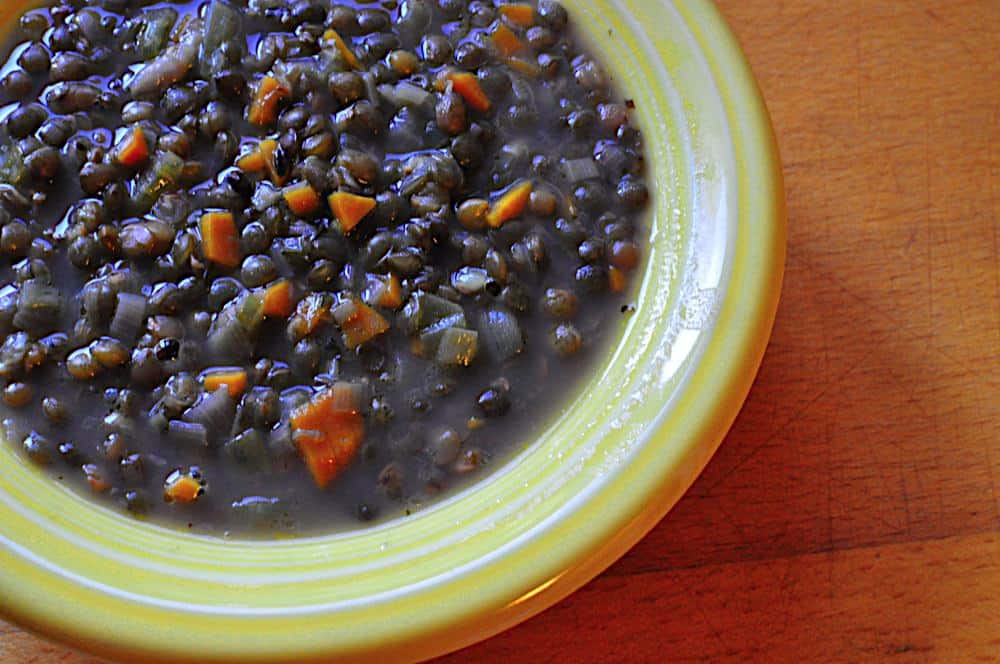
(899, 325)
(798, 414)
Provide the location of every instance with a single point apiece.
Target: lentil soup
(292, 265)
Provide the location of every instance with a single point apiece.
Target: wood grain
(852, 513)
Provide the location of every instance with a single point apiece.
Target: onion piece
(458, 347)
(424, 310)
(578, 170)
(214, 411)
(130, 314)
(346, 397)
(170, 66)
(470, 280)
(228, 340)
(405, 94)
(38, 308)
(501, 334)
(223, 25)
(187, 434)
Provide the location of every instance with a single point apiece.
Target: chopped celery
(250, 311)
(12, 353)
(130, 314)
(344, 310)
(169, 66)
(578, 170)
(405, 94)
(156, 26)
(38, 307)
(12, 168)
(470, 280)
(424, 310)
(163, 176)
(223, 25)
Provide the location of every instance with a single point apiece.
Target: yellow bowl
(614, 462)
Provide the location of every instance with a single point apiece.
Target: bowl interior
(609, 466)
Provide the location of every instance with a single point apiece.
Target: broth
(298, 265)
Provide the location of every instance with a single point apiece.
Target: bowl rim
(742, 332)
(712, 401)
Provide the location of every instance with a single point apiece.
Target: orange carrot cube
(264, 107)
(133, 151)
(328, 433)
(349, 209)
(182, 488)
(519, 13)
(507, 42)
(510, 205)
(278, 301)
(467, 85)
(345, 50)
(220, 242)
(301, 198)
(234, 380)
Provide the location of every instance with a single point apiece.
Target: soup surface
(292, 265)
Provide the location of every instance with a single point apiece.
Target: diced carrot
(510, 205)
(264, 107)
(384, 291)
(182, 488)
(507, 42)
(262, 159)
(519, 13)
(345, 50)
(392, 296)
(442, 78)
(313, 310)
(327, 453)
(349, 209)
(616, 280)
(267, 149)
(219, 241)
(327, 434)
(252, 162)
(278, 300)
(234, 380)
(466, 84)
(525, 67)
(180, 27)
(302, 199)
(95, 480)
(341, 398)
(362, 325)
(133, 151)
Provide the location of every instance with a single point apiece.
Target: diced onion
(578, 170)
(130, 314)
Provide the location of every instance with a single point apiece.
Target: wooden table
(852, 513)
